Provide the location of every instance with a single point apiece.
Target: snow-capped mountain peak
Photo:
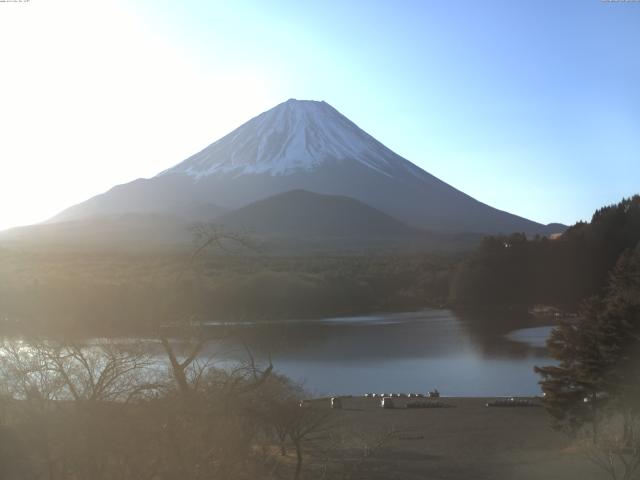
(294, 136)
(302, 145)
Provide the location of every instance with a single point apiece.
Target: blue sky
(530, 106)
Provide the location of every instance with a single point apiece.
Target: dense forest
(591, 391)
(125, 293)
(517, 271)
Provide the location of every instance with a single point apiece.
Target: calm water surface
(459, 354)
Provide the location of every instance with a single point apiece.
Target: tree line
(136, 294)
(518, 271)
(593, 391)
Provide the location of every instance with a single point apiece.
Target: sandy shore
(466, 441)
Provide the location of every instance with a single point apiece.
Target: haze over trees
(133, 291)
(108, 410)
(127, 292)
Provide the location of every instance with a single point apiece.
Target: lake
(460, 354)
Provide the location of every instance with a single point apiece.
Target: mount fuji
(310, 146)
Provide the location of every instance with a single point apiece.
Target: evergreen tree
(516, 271)
(619, 337)
(598, 355)
(573, 388)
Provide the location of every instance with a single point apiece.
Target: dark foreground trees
(516, 271)
(298, 421)
(160, 410)
(593, 393)
(115, 411)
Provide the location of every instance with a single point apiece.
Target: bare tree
(306, 424)
(73, 405)
(617, 448)
(180, 368)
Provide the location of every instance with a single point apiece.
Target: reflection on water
(534, 336)
(459, 353)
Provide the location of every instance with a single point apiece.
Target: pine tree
(619, 337)
(573, 389)
(598, 355)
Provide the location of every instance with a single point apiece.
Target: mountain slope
(310, 146)
(305, 214)
(139, 232)
(291, 223)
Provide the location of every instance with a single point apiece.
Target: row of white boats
(433, 394)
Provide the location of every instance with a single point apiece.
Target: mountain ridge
(306, 145)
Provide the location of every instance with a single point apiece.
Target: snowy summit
(302, 145)
(294, 136)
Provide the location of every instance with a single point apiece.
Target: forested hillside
(125, 292)
(517, 271)
(112, 293)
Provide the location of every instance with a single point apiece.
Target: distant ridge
(290, 223)
(307, 214)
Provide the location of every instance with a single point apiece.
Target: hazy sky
(530, 106)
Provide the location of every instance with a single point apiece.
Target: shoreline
(467, 440)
